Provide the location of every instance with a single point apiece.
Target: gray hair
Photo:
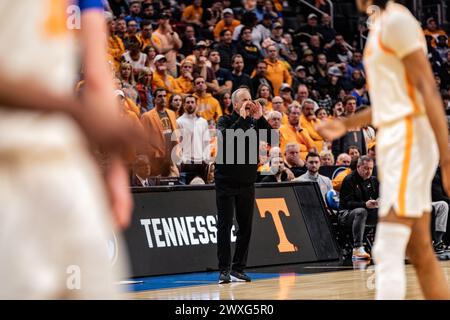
(290, 145)
(363, 159)
(310, 101)
(235, 95)
(274, 113)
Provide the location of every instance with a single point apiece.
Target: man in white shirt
(195, 141)
(313, 165)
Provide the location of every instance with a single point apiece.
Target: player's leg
(420, 251)
(391, 240)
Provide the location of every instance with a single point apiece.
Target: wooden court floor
(353, 282)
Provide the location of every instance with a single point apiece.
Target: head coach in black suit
(235, 175)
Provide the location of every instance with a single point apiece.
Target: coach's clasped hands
(251, 109)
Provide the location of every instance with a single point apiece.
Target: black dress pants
(234, 199)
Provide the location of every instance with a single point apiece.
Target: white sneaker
(360, 254)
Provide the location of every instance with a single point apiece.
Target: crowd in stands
(177, 63)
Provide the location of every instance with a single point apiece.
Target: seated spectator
(432, 29)
(202, 66)
(259, 78)
(167, 42)
(226, 48)
(176, 104)
(286, 94)
(371, 151)
(292, 159)
(188, 41)
(207, 106)
(238, 77)
(225, 103)
(159, 124)
(278, 105)
(141, 172)
(277, 72)
(264, 92)
(144, 89)
(115, 45)
(162, 77)
(326, 158)
(358, 200)
(263, 31)
(438, 194)
(223, 76)
(353, 137)
(353, 152)
(135, 12)
(340, 51)
(193, 13)
(440, 214)
(183, 84)
(145, 35)
(326, 31)
(343, 159)
(135, 57)
(339, 178)
(128, 83)
(442, 47)
(293, 132)
(312, 175)
(131, 32)
(249, 52)
(309, 121)
(274, 119)
(279, 172)
(304, 33)
(227, 23)
(195, 143)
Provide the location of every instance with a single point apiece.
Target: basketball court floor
(325, 280)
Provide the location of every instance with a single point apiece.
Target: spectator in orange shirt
(227, 23)
(115, 45)
(193, 13)
(277, 71)
(432, 29)
(159, 124)
(293, 132)
(183, 84)
(277, 105)
(145, 35)
(161, 76)
(309, 121)
(207, 106)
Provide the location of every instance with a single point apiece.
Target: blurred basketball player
(55, 211)
(413, 133)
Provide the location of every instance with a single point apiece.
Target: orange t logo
(275, 206)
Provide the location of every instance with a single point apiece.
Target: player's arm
(420, 74)
(99, 91)
(332, 130)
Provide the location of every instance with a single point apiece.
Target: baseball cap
(431, 19)
(159, 57)
(277, 25)
(312, 16)
(164, 16)
(334, 71)
(308, 52)
(228, 10)
(201, 44)
(285, 87)
(300, 68)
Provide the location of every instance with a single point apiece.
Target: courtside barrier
(173, 229)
